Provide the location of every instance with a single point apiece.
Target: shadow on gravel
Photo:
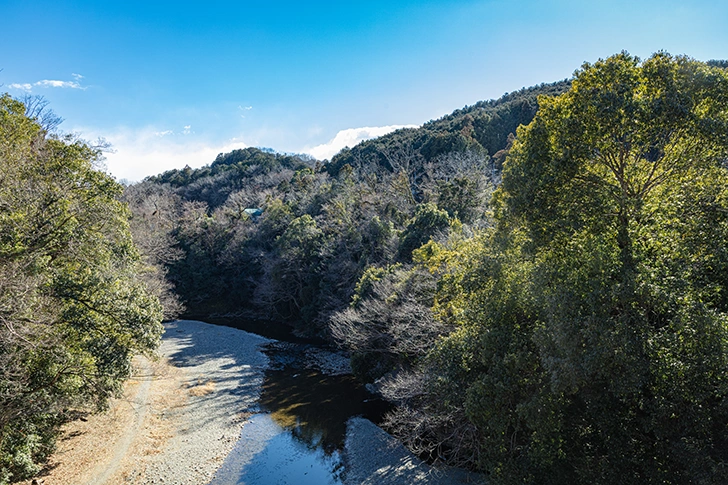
(373, 457)
(224, 367)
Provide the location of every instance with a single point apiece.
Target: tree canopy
(73, 311)
(568, 327)
(593, 338)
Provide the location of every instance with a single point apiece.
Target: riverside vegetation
(75, 305)
(537, 282)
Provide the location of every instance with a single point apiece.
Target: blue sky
(176, 83)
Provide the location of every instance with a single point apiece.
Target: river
(305, 403)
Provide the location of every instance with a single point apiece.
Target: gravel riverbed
(223, 369)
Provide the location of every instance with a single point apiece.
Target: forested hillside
(544, 303)
(322, 224)
(484, 127)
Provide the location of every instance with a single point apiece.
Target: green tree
(72, 310)
(427, 222)
(593, 341)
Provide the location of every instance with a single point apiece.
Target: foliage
(301, 259)
(390, 323)
(372, 205)
(72, 310)
(593, 343)
(213, 184)
(428, 220)
(574, 330)
(154, 213)
(718, 63)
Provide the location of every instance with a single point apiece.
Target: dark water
(265, 328)
(298, 435)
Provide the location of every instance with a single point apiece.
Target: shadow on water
(298, 436)
(314, 408)
(265, 328)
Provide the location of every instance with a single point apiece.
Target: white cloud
(52, 83)
(349, 138)
(139, 153)
(23, 87)
(77, 77)
(49, 83)
(187, 130)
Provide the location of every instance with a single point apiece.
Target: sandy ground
(178, 418)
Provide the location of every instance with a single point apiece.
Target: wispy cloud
(49, 83)
(349, 138)
(186, 130)
(22, 87)
(138, 153)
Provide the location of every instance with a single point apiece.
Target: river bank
(207, 412)
(178, 418)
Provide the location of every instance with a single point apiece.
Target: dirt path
(109, 448)
(178, 418)
(140, 404)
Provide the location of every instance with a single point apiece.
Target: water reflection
(299, 434)
(313, 407)
(282, 459)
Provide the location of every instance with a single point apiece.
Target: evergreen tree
(73, 311)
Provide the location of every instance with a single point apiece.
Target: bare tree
(36, 108)
(155, 214)
(394, 319)
(408, 164)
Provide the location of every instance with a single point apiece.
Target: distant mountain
(484, 126)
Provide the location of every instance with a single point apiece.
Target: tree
(153, 219)
(593, 334)
(72, 311)
(389, 324)
(427, 222)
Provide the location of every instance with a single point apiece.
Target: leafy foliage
(592, 340)
(573, 330)
(483, 127)
(72, 310)
(718, 63)
(372, 205)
